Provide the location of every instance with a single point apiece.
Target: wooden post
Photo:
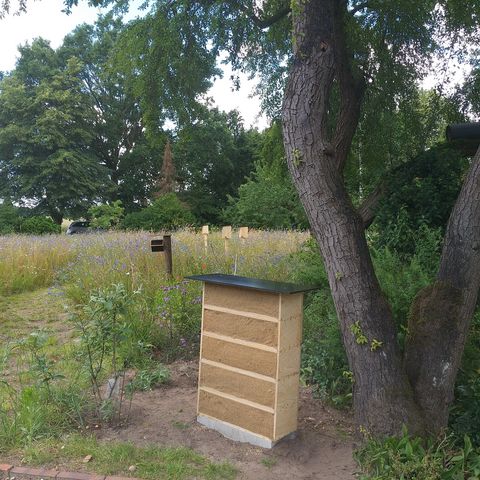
(167, 248)
(227, 235)
(243, 234)
(205, 232)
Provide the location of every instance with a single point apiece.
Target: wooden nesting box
(250, 357)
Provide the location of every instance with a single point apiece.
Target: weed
(269, 462)
(409, 457)
(148, 379)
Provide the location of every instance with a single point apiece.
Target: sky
(44, 18)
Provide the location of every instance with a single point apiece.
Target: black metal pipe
(464, 137)
(463, 131)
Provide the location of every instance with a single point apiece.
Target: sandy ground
(321, 450)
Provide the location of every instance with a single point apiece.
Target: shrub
(106, 216)
(421, 192)
(102, 327)
(267, 200)
(411, 458)
(39, 226)
(166, 213)
(10, 218)
(324, 362)
(465, 412)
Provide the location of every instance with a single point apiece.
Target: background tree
(268, 199)
(167, 181)
(45, 134)
(212, 161)
(119, 141)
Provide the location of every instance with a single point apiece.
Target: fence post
(205, 232)
(243, 234)
(227, 235)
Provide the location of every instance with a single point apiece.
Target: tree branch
(351, 91)
(368, 209)
(266, 22)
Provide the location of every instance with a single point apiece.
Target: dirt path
(166, 416)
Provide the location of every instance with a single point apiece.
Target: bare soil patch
(167, 416)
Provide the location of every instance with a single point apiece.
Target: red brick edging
(10, 472)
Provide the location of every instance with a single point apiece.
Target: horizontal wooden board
(239, 356)
(244, 416)
(240, 327)
(238, 370)
(242, 386)
(242, 299)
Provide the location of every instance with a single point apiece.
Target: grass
(27, 311)
(114, 458)
(82, 262)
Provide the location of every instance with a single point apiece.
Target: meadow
(84, 262)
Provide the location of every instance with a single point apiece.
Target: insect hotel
(250, 357)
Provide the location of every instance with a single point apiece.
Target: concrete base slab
(239, 434)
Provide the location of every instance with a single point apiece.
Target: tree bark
(383, 397)
(441, 313)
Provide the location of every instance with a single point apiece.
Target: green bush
(410, 458)
(166, 213)
(106, 216)
(10, 219)
(402, 277)
(267, 200)
(465, 412)
(421, 192)
(39, 226)
(324, 362)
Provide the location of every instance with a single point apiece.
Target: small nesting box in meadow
(250, 357)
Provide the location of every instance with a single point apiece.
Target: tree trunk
(383, 397)
(389, 391)
(55, 215)
(441, 313)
